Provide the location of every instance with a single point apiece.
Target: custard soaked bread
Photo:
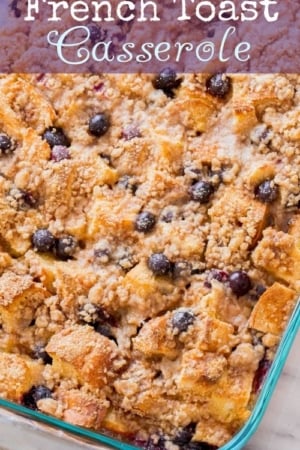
(149, 248)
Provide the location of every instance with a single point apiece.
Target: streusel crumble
(150, 248)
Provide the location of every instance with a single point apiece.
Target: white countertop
(279, 430)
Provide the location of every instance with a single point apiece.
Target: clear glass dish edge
(243, 436)
(236, 443)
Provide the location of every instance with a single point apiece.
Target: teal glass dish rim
(236, 443)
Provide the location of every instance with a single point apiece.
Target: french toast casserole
(150, 248)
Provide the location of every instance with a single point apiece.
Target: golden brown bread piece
(279, 254)
(83, 409)
(237, 221)
(272, 311)
(17, 375)
(81, 353)
(156, 339)
(20, 297)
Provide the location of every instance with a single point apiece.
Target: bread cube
(155, 339)
(33, 150)
(59, 189)
(229, 400)
(82, 354)
(188, 240)
(83, 409)
(265, 98)
(118, 423)
(148, 295)
(278, 254)
(8, 342)
(170, 152)
(134, 159)
(197, 366)
(244, 116)
(237, 221)
(212, 335)
(42, 266)
(17, 375)
(30, 107)
(142, 282)
(5, 261)
(19, 298)
(96, 172)
(112, 213)
(273, 309)
(155, 404)
(15, 229)
(208, 378)
(71, 281)
(198, 108)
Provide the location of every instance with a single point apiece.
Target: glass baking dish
(39, 431)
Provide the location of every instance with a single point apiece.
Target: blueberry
(182, 269)
(185, 435)
(35, 394)
(239, 282)
(196, 445)
(6, 144)
(159, 264)
(106, 331)
(218, 85)
(43, 240)
(202, 191)
(59, 152)
(127, 182)
(65, 247)
(40, 353)
(267, 191)
(260, 374)
(23, 199)
(182, 319)
(167, 80)
(56, 136)
(99, 124)
(145, 221)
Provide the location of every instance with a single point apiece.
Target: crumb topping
(149, 248)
